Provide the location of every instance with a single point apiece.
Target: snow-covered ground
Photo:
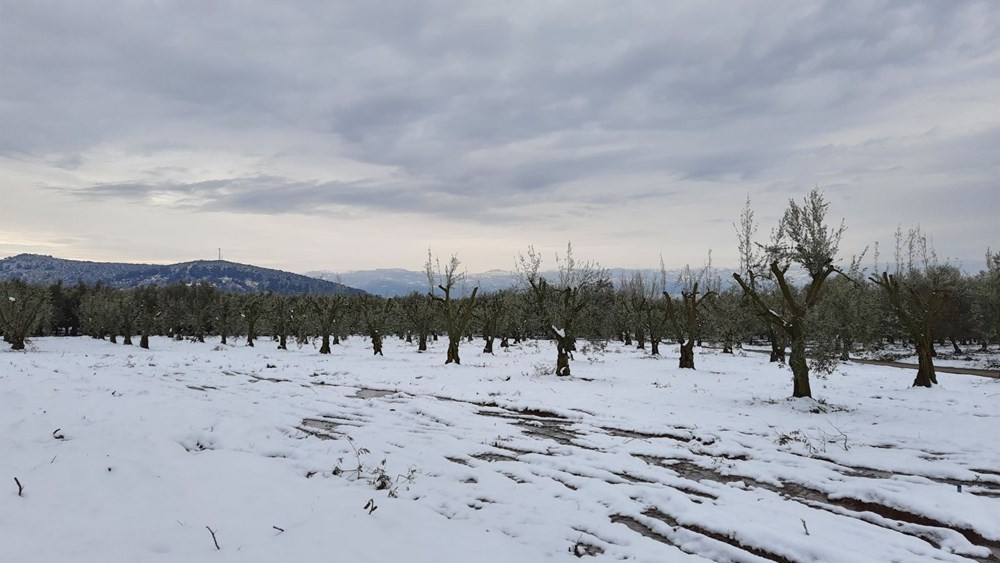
(972, 357)
(128, 455)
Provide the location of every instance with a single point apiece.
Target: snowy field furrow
(134, 455)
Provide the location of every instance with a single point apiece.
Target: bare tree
(802, 238)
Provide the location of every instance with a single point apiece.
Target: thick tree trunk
(562, 359)
(144, 341)
(128, 340)
(336, 339)
(325, 347)
(224, 339)
(377, 345)
(421, 343)
(640, 340)
(926, 377)
(627, 340)
(453, 351)
(113, 338)
(727, 347)
(282, 342)
(800, 368)
(654, 346)
(16, 343)
(504, 343)
(488, 348)
(687, 355)
(409, 338)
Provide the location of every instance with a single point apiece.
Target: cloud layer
(636, 126)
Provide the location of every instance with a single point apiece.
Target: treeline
(790, 292)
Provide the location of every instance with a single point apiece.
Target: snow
(127, 455)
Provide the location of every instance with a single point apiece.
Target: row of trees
(791, 291)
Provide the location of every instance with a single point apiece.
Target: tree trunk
(800, 368)
(640, 340)
(144, 341)
(453, 351)
(16, 343)
(488, 348)
(627, 339)
(282, 342)
(128, 340)
(224, 339)
(777, 350)
(377, 345)
(954, 346)
(336, 339)
(654, 346)
(325, 347)
(727, 347)
(562, 358)
(504, 343)
(926, 377)
(113, 338)
(687, 355)
(421, 342)
(845, 350)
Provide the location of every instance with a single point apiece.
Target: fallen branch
(215, 541)
(20, 487)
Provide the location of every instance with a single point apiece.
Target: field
(204, 452)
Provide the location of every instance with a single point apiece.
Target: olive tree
(919, 291)
(686, 316)
(562, 302)
(24, 309)
(457, 313)
(803, 238)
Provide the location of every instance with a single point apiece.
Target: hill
(227, 276)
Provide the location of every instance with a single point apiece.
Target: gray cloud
(478, 110)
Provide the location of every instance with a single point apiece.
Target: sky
(324, 135)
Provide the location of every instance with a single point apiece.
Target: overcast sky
(352, 135)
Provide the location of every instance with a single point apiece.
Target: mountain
(227, 276)
(392, 282)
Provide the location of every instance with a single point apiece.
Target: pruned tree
(986, 301)
(561, 304)
(755, 269)
(803, 238)
(456, 313)
(147, 302)
(326, 312)
(418, 309)
(375, 313)
(918, 292)
(643, 300)
(24, 309)
(493, 310)
(282, 315)
(685, 316)
(225, 312)
(252, 308)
